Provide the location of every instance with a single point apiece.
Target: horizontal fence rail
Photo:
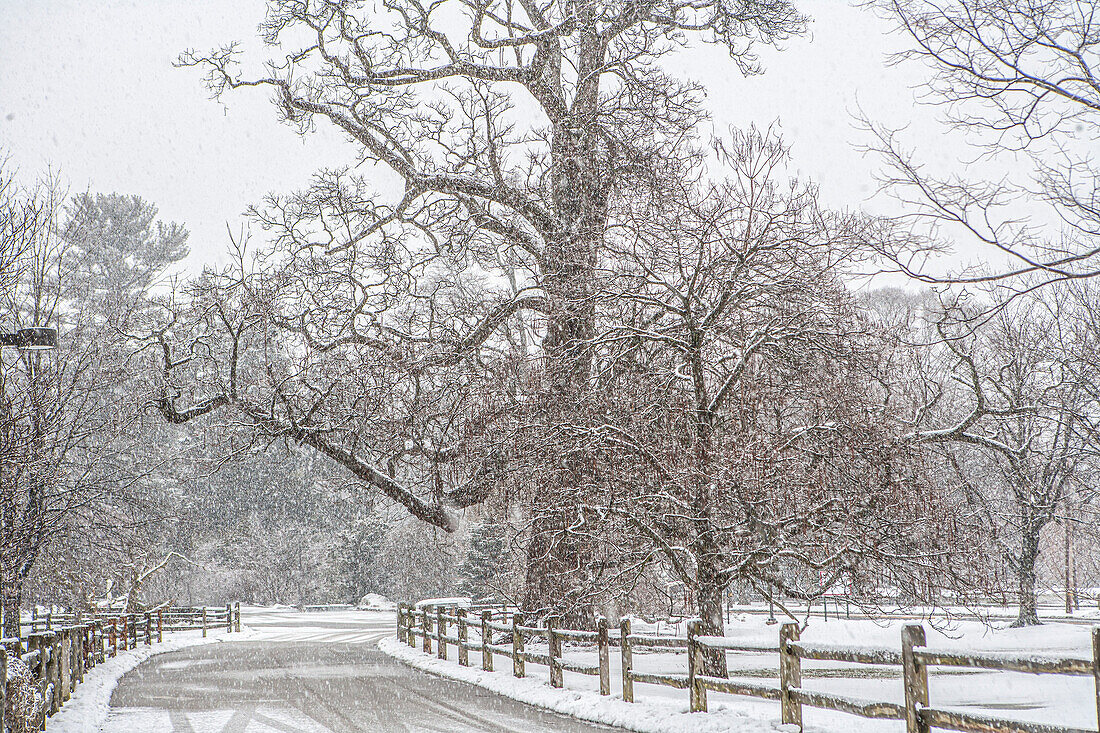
(431, 624)
(58, 648)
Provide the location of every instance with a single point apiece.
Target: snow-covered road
(309, 673)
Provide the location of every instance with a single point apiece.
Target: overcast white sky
(88, 89)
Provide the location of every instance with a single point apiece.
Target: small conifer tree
(484, 558)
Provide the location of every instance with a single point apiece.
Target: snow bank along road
(314, 673)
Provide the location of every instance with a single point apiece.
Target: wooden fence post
(204, 622)
(38, 677)
(519, 666)
(4, 686)
(78, 654)
(601, 645)
(73, 660)
(43, 672)
(410, 630)
(698, 693)
(148, 629)
(486, 640)
(426, 627)
(54, 670)
(80, 648)
(64, 664)
(441, 632)
(160, 626)
(85, 649)
(628, 660)
(463, 652)
(237, 622)
(114, 638)
(553, 642)
(229, 618)
(80, 637)
(1096, 667)
(790, 675)
(70, 662)
(915, 675)
(99, 643)
(400, 621)
(90, 648)
(32, 642)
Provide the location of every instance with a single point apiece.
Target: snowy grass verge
(648, 716)
(87, 710)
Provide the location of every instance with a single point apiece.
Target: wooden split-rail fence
(60, 647)
(431, 624)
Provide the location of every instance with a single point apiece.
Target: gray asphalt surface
(284, 679)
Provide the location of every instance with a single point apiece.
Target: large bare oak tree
(508, 127)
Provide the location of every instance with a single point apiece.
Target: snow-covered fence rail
(430, 624)
(920, 715)
(58, 648)
(171, 618)
(206, 618)
(57, 657)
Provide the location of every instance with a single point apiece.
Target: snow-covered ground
(1052, 699)
(647, 716)
(285, 678)
(287, 624)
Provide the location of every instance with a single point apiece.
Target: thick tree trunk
(558, 557)
(11, 598)
(709, 599)
(1025, 575)
(1069, 573)
(558, 560)
(555, 573)
(705, 545)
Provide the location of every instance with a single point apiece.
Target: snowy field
(1051, 699)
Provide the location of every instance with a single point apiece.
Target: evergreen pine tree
(484, 559)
